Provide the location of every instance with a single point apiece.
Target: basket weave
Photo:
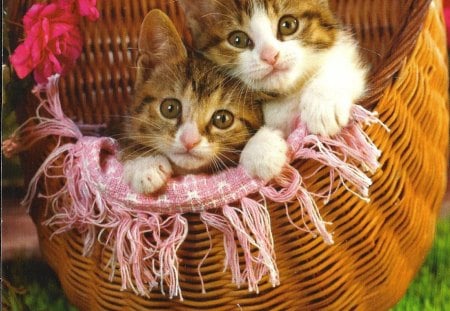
(379, 246)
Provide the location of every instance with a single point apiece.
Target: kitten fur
(316, 70)
(154, 146)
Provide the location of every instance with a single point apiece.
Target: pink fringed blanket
(95, 202)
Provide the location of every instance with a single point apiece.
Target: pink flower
(85, 8)
(88, 8)
(52, 44)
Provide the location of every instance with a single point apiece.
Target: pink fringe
(41, 126)
(144, 233)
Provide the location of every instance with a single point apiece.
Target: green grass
(430, 289)
(35, 287)
(32, 285)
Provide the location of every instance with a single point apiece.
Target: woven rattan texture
(379, 246)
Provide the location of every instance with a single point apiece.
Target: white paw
(265, 154)
(325, 112)
(147, 174)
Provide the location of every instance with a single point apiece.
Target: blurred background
(29, 284)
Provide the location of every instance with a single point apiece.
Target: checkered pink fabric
(95, 197)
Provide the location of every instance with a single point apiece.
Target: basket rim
(402, 46)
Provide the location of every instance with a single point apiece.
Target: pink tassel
(231, 254)
(298, 191)
(40, 127)
(254, 230)
(168, 259)
(199, 271)
(142, 263)
(11, 146)
(307, 202)
(288, 182)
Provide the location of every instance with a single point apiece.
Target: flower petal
(53, 40)
(20, 60)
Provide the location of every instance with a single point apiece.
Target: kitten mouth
(188, 155)
(188, 161)
(274, 71)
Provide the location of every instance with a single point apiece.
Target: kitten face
(193, 115)
(271, 45)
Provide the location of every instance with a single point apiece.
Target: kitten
(186, 116)
(295, 49)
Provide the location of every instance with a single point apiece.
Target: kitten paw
(147, 174)
(325, 113)
(265, 154)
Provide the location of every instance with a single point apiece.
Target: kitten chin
(189, 168)
(196, 160)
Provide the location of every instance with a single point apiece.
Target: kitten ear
(159, 42)
(198, 14)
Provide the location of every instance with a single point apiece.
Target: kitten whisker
(220, 164)
(233, 162)
(140, 152)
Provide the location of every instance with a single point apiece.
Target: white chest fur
(281, 114)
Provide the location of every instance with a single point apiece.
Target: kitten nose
(270, 55)
(190, 144)
(190, 137)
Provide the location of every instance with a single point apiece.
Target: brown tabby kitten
(186, 116)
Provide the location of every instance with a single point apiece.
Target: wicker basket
(379, 246)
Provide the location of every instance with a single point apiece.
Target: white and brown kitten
(294, 48)
(186, 116)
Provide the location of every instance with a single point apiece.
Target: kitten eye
(222, 119)
(287, 25)
(239, 39)
(170, 108)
